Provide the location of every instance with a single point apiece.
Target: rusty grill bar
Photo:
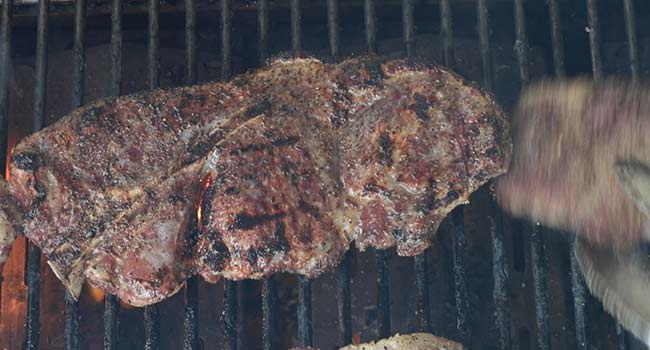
(269, 294)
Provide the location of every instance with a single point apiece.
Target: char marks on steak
(568, 136)
(274, 171)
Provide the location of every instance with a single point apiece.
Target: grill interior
(488, 281)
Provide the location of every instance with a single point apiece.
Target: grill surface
(444, 279)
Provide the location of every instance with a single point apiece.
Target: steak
(275, 171)
(416, 154)
(568, 136)
(413, 341)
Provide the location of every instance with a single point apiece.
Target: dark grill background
(488, 281)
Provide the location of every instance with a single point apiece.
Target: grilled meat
(274, 171)
(414, 341)
(568, 136)
(8, 214)
(416, 154)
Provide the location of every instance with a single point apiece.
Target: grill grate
(269, 292)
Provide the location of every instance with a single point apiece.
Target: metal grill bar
(5, 53)
(594, 39)
(116, 48)
(536, 240)
(226, 28)
(422, 298)
(333, 26)
(154, 44)
(78, 65)
(71, 322)
(460, 281)
(344, 301)
(370, 25)
(383, 294)
(447, 33)
(296, 32)
(408, 27)
(579, 302)
(484, 42)
(230, 313)
(33, 276)
(33, 268)
(111, 302)
(630, 27)
(521, 45)
(557, 40)
(263, 29)
(422, 286)
(40, 90)
(304, 312)
(230, 287)
(500, 292)
(151, 327)
(78, 54)
(343, 276)
(623, 341)
(190, 321)
(269, 297)
(111, 322)
(540, 287)
(151, 314)
(578, 285)
(190, 43)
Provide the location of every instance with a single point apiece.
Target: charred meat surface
(568, 136)
(277, 170)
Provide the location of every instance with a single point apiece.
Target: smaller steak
(568, 137)
(417, 153)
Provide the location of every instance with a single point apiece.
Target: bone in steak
(568, 136)
(274, 171)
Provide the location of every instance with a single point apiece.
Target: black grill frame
(269, 294)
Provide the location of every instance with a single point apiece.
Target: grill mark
(251, 256)
(421, 107)
(231, 191)
(305, 237)
(175, 198)
(191, 237)
(199, 150)
(150, 193)
(99, 117)
(458, 125)
(289, 169)
(217, 253)
(376, 74)
(27, 161)
(306, 207)
(244, 221)
(385, 149)
(256, 147)
(281, 240)
(340, 103)
(261, 107)
(40, 191)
